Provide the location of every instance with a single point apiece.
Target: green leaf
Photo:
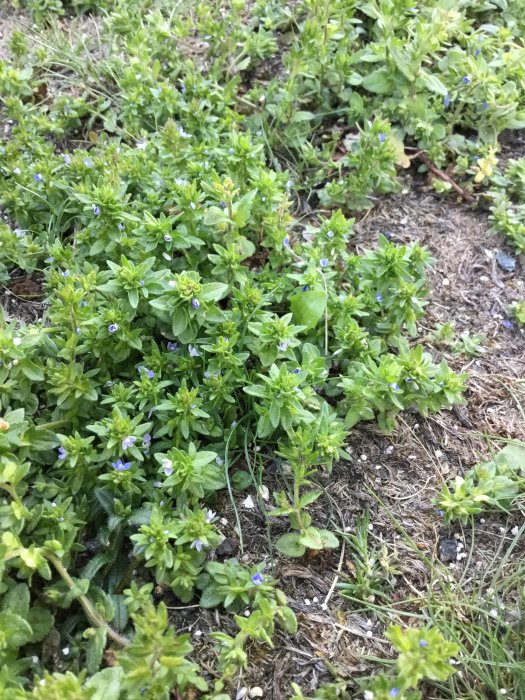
(328, 539)
(290, 545)
(16, 600)
(179, 322)
(308, 498)
(106, 684)
(41, 621)
(433, 83)
(378, 81)
(311, 538)
(95, 648)
(210, 597)
(213, 291)
(133, 298)
(14, 629)
(308, 307)
(32, 371)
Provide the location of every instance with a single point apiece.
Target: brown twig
(443, 176)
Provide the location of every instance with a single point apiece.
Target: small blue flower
(142, 283)
(210, 514)
(193, 351)
(283, 345)
(113, 327)
(38, 177)
(477, 52)
(446, 101)
(329, 234)
(196, 544)
(65, 273)
(207, 375)
(121, 466)
(88, 162)
(286, 241)
(393, 693)
(296, 370)
(17, 171)
(466, 79)
(67, 159)
(379, 297)
(222, 204)
(193, 405)
(172, 346)
(305, 288)
(62, 453)
(323, 262)
(195, 303)
(146, 439)
(441, 513)
(231, 151)
(128, 442)
(409, 379)
(423, 643)
(507, 323)
(167, 467)
(485, 105)
(120, 226)
(381, 137)
(96, 210)
(257, 579)
(168, 238)
(394, 386)
(219, 461)
(78, 330)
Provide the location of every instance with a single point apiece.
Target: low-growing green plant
(518, 311)
(491, 485)
(372, 567)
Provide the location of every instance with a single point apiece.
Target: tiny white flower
(17, 341)
(65, 651)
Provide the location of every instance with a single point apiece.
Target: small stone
(249, 503)
(445, 282)
(315, 599)
(389, 449)
(363, 458)
(438, 454)
(227, 548)
(369, 633)
(482, 521)
(223, 521)
(197, 633)
(256, 692)
(514, 531)
(324, 606)
(447, 550)
(307, 601)
(505, 261)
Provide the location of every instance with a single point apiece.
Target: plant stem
(92, 614)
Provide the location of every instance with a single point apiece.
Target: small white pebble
(514, 531)
(306, 601)
(368, 695)
(197, 633)
(457, 536)
(389, 449)
(256, 692)
(223, 521)
(363, 458)
(246, 613)
(370, 526)
(35, 659)
(348, 528)
(315, 599)
(460, 546)
(412, 457)
(452, 565)
(445, 282)
(378, 466)
(65, 651)
(502, 691)
(369, 623)
(502, 530)
(493, 612)
(324, 606)
(438, 454)
(369, 633)
(482, 521)
(461, 555)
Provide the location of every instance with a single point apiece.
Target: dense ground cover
(202, 323)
